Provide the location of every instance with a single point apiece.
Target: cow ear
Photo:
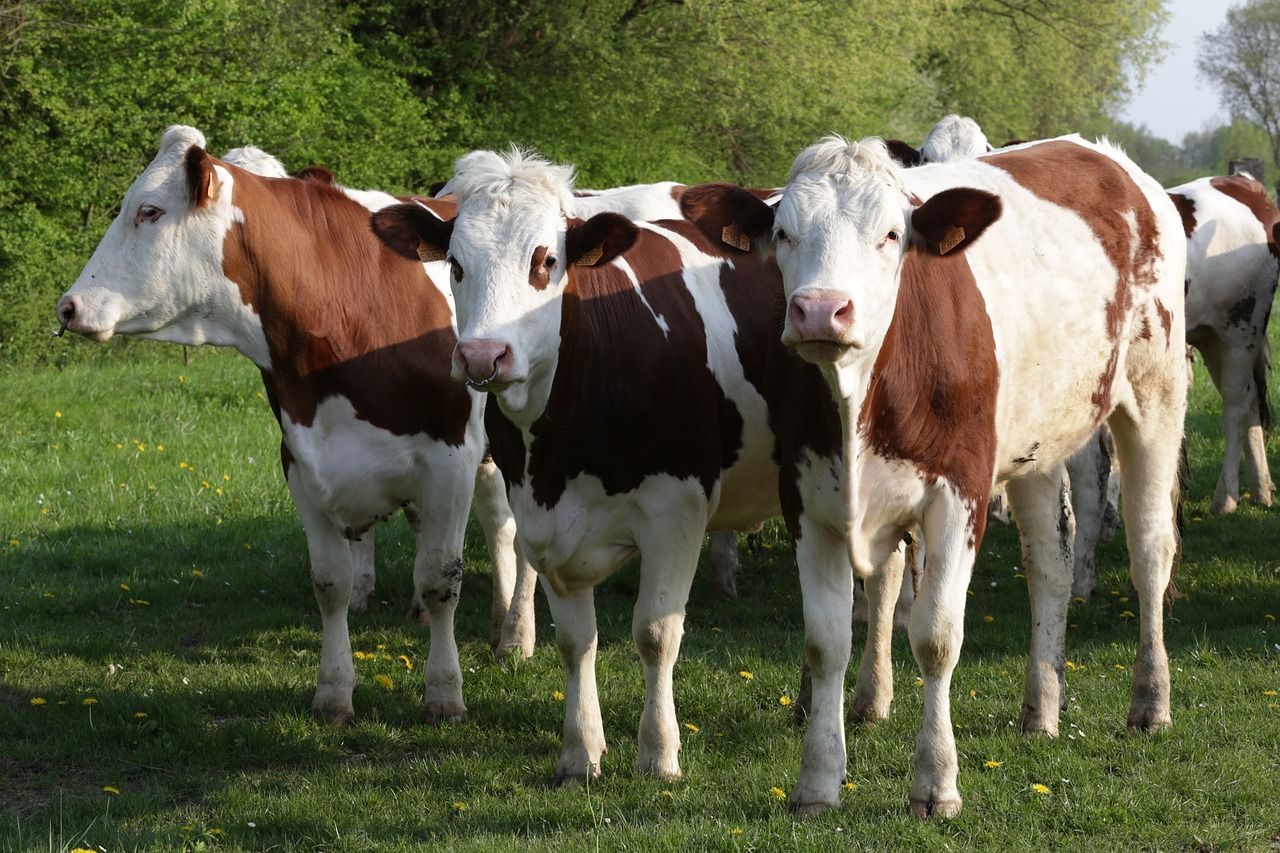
(202, 180)
(953, 219)
(598, 240)
(413, 231)
(728, 215)
(904, 153)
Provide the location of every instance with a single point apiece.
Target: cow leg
(1239, 407)
(499, 527)
(1047, 533)
(437, 583)
(722, 552)
(574, 614)
(519, 631)
(1258, 418)
(937, 630)
(1089, 472)
(1148, 454)
(667, 565)
(873, 691)
(331, 576)
(362, 564)
(826, 585)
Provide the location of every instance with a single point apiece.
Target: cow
(976, 322)
(353, 344)
(1231, 279)
(631, 365)
(954, 137)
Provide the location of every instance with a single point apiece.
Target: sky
(1174, 100)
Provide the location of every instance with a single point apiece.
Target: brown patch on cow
(628, 400)
(539, 275)
(319, 174)
(677, 192)
(343, 315)
(935, 405)
(1166, 319)
(1104, 195)
(1252, 195)
(1145, 331)
(1187, 210)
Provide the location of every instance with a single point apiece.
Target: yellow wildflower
(1126, 614)
(57, 414)
(89, 700)
(747, 675)
(988, 618)
(1119, 666)
(196, 573)
(459, 806)
(140, 602)
(125, 587)
(784, 700)
(1270, 617)
(1268, 693)
(111, 789)
(226, 478)
(557, 695)
(39, 700)
(119, 446)
(1070, 665)
(691, 727)
(404, 659)
(777, 793)
(160, 448)
(1041, 789)
(217, 830)
(385, 681)
(48, 594)
(667, 794)
(991, 764)
(715, 630)
(14, 543)
(919, 681)
(850, 786)
(141, 715)
(735, 830)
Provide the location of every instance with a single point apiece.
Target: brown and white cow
(631, 364)
(953, 137)
(1231, 279)
(976, 322)
(353, 344)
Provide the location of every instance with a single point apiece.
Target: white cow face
(158, 271)
(510, 250)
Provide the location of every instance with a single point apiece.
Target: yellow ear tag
(953, 236)
(428, 253)
(733, 237)
(589, 259)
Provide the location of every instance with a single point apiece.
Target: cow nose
(481, 363)
(67, 310)
(821, 316)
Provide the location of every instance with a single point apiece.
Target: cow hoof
(335, 718)
(1032, 722)
(435, 713)
(658, 768)
(929, 808)
(1261, 500)
(806, 811)
(1224, 505)
(564, 779)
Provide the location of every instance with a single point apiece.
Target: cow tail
(1178, 497)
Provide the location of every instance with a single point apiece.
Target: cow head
(511, 250)
(157, 273)
(841, 230)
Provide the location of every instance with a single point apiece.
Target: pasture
(159, 640)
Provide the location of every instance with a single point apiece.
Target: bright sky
(1174, 100)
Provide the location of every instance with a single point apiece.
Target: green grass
(221, 660)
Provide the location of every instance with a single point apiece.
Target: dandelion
(691, 727)
(850, 786)
(183, 465)
(1070, 665)
(1270, 617)
(919, 681)
(735, 830)
(204, 484)
(141, 715)
(48, 594)
(140, 602)
(119, 446)
(196, 573)
(715, 629)
(14, 543)
(359, 655)
(124, 586)
(988, 618)
(991, 764)
(111, 789)
(217, 831)
(226, 478)
(1124, 599)
(784, 700)
(667, 794)
(1041, 789)
(218, 492)
(404, 659)
(777, 793)
(142, 448)
(458, 807)
(57, 414)
(37, 701)
(1118, 666)
(557, 695)
(1126, 614)
(385, 681)
(973, 694)
(89, 700)
(160, 448)
(747, 675)
(1268, 693)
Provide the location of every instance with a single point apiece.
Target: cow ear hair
(202, 180)
(953, 219)
(728, 215)
(904, 153)
(599, 240)
(413, 231)
(316, 174)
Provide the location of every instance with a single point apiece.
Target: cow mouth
(821, 351)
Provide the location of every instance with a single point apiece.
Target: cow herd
(867, 351)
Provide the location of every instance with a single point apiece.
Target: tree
(1242, 59)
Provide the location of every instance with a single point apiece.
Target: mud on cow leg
(722, 553)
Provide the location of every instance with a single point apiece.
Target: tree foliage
(389, 92)
(1242, 59)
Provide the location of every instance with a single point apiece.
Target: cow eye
(147, 213)
(456, 268)
(550, 262)
(781, 236)
(891, 237)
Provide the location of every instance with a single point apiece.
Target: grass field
(159, 639)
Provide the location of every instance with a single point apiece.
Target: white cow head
(510, 250)
(158, 271)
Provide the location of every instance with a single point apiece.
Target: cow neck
(342, 314)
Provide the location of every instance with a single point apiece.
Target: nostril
(845, 313)
(797, 311)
